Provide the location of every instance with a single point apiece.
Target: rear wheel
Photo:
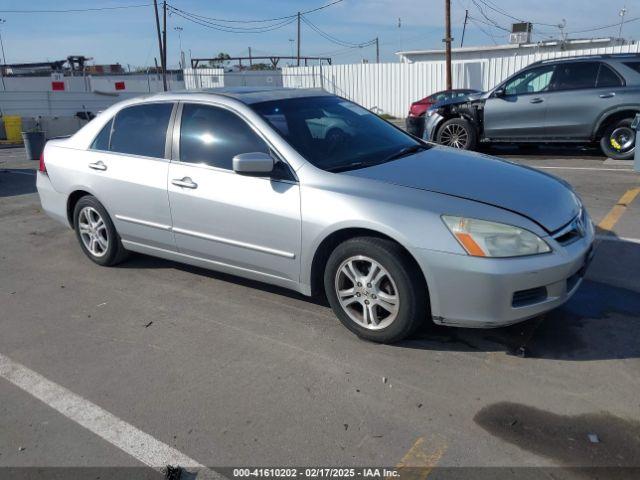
(619, 140)
(458, 133)
(96, 233)
(375, 290)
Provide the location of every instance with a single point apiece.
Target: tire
(398, 280)
(615, 138)
(91, 221)
(458, 133)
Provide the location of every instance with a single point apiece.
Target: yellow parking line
(610, 220)
(420, 460)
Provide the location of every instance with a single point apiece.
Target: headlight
(489, 239)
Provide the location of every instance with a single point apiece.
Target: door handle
(536, 100)
(184, 182)
(607, 95)
(99, 165)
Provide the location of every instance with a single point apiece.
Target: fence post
(636, 126)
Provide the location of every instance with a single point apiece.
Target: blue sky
(128, 36)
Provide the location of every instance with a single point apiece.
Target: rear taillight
(42, 167)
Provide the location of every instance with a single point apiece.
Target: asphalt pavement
(228, 372)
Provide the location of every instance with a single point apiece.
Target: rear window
(141, 130)
(608, 78)
(575, 75)
(633, 65)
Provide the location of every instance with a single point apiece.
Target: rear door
(129, 166)
(579, 93)
(520, 112)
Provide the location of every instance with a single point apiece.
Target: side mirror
(499, 92)
(253, 163)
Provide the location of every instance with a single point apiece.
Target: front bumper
(483, 292)
(415, 125)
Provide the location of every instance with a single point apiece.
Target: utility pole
(4, 59)
(447, 40)
(155, 9)
(164, 45)
(298, 57)
(377, 51)
(250, 61)
(464, 27)
(179, 30)
(622, 13)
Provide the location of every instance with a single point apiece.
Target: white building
(514, 50)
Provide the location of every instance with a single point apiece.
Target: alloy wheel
(367, 292)
(93, 231)
(622, 139)
(454, 136)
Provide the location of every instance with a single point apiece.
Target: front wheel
(619, 140)
(375, 290)
(457, 133)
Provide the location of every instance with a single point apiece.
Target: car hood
(459, 100)
(542, 198)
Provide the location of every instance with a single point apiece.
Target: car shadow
(17, 182)
(601, 321)
(591, 152)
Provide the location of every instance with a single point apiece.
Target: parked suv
(569, 100)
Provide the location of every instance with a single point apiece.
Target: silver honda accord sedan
(312, 192)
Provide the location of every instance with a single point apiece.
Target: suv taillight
(42, 167)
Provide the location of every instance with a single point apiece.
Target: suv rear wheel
(457, 133)
(619, 140)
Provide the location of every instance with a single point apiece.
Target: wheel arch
(613, 116)
(72, 201)
(335, 238)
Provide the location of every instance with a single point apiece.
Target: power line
(264, 20)
(337, 41)
(75, 10)
(617, 24)
(229, 29)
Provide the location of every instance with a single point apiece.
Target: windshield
(335, 134)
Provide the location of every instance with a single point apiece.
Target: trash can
(12, 128)
(34, 144)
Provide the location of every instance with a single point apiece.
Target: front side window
(335, 134)
(575, 75)
(534, 80)
(633, 65)
(213, 136)
(141, 130)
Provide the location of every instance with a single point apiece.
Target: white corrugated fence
(392, 87)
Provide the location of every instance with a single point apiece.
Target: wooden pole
(447, 40)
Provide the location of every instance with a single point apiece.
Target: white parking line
(583, 168)
(611, 238)
(117, 432)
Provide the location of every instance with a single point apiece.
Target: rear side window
(608, 78)
(570, 76)
(101, 142)
(141, 130)
(633, 65)
(213, 136)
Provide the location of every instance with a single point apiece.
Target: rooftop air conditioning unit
(521, 33)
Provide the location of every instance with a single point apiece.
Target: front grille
(531, 296)
(573, 231)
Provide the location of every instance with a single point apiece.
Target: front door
(520, 111)
(250, 223)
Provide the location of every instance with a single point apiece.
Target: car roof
(249, 95)
(585, 58)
